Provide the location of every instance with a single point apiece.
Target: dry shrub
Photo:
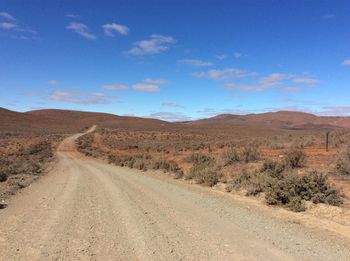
(342, 165)
(295, 158)
(247, 154)
(284, 187)
(203, 170)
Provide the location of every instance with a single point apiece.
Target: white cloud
(72, 16)
(224, 74)
(79, 97)
(305, 79)
(115, 87)
(275, 80)
(328, 16)
(220, 57)
(7, 25)
(82, 30)
(155, 81)
(197, 63)
(154, 45)
(171, 104)
(110, 29)
(169, 116)
(247, 88)
(294, 89)
(335, 111)
(52, 82)
(7, 16)
(237, 55)
(346, 62)
(144, 87)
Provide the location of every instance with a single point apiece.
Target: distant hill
(67, 121)
(280, 119)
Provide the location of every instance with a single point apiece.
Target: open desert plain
(174, 130)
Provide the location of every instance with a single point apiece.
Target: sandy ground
(85, 209)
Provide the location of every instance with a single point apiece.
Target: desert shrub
(3, 175)
(292, 190)
(294, 158)
(252, 181)
(199, 158)
(284, 187)
(342, 165)
(203, 170)
(166, 165)
(250, 154)
(205, 175)
(273, 168)
(231, 157)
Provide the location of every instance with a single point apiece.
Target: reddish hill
(280, 119)
(67, 121)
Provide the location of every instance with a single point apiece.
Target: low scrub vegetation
(145, 162)
(203, 170)
(295, 158)
(282, 186)
(27, 155)
(342, 165)
(246, 155)
(208, 156)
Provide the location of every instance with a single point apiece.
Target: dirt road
(85, 209)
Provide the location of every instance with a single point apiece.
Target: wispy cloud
(346, 62)
(15, 30)
(276, 80)
(111, 29)
(144, 87)
(171, 104)
(237, 55)
(335, 111)
(156, 81)
(224, 74)
(247, 88)
(169, 116)
(305, 79)
(196, 63)
(155, 44)
(210, 112)
(115, 87)
(52, 82)
(7, 16)
(72, 16)
(221, 57)
(81, 29)
(8, 25)
(329, 16)
(79, 97)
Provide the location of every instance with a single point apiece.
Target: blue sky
(176, 60)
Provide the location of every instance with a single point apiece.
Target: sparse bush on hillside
(342, 165)
(295, 158)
